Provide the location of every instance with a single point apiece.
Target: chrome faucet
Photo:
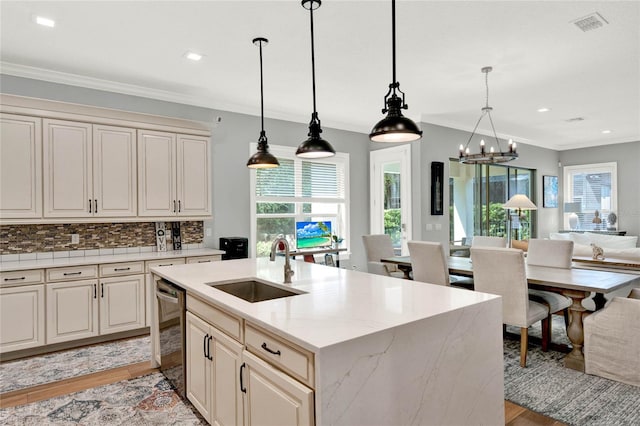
(287, 265)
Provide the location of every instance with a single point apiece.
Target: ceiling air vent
(574, 119)
(590, 22)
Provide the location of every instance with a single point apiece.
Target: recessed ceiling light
(193, 56)
(544, 109)
(46, 22)
(606, 132)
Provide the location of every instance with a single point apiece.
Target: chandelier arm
(475, 128)
(495, 135)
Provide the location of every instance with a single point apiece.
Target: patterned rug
(37, 370)
(547, 387)
(147, 400)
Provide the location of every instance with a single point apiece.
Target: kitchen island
(363, 349)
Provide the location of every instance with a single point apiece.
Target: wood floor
(515, 415)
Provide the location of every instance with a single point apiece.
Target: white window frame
(287, 152)
(568, 171)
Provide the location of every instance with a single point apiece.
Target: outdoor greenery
(392, 225)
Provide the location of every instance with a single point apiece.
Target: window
(298, 190)
(590, 196)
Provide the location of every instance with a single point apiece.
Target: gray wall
(627, 155)
(230, 151)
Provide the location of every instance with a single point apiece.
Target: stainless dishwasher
(171, 302)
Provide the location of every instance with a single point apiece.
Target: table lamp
(518, 202)
(572, 208)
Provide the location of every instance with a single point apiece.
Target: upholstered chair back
(429, 262)
(376, 247)
(484, 241)
(501, 271)
(552, 253)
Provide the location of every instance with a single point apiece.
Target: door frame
(377, 160)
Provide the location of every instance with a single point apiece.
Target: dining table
(575, 283)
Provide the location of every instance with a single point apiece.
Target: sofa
(614, 246)
(612, 340)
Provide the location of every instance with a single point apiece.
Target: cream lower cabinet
(22, 322)
(72, 310)
(122, 303)
(273, 397)
(213, 363)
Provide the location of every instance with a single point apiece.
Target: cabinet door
(20, 166)
(226, 408)
(199, 376)
(21, 317)
(273, 397)
(114, 171)
(122, 303)
(156, 174)
(67, 168)
(72, 310)
(193, 176)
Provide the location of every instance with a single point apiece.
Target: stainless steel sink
(255, 291)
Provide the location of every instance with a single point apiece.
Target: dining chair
(553, 254)
(376, 247)
(429, 262)
(502, 271)
(486, 241)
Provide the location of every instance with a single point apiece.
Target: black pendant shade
(262, 159)
(394, 127)
(314, 146)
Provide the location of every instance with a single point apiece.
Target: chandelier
(485, 156)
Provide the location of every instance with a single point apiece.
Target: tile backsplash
(23, 239)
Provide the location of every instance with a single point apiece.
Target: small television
(313, 234)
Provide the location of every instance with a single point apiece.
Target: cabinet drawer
(125, 268)
(14, 278)
(224, 321)
(164, 262)
(72, 273)
(285, 355)
(204, 259)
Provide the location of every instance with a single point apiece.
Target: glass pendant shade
(315, 146)
(262, 159)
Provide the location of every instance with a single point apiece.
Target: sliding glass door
(477, 193)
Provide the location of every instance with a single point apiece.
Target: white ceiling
(540, 59)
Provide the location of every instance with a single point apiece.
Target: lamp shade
(315, 147)
(521, 202)
(395, 128)
(262, 159)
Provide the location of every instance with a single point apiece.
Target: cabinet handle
(121, 269)
(204, 345)
(95, 206)
(179, 206)
(66, 274)
(15, 279)
(101, 290)
(204, 261)
(95, 291)
(174, 206)
(209, 348)
(167, 264)
(90, 206)
(242, 388)
(271, 351)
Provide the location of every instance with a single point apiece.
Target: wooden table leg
(575, 331)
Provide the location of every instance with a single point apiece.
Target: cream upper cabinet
(67, 169)
(21, 317)
(114, 171)
(173, 174)
(89, 170)
(20, 166)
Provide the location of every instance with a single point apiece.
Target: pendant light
(314, 146)
(395, 127)
(262, 159)
(492, 156)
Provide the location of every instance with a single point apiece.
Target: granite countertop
(339, 305)
(21, 265)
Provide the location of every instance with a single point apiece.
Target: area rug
(547, 387)
(37, 370)
(146, 400)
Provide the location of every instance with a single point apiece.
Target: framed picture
(550, 191)
(437, 175)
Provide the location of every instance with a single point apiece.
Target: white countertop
(340, 305)
(22, 265)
